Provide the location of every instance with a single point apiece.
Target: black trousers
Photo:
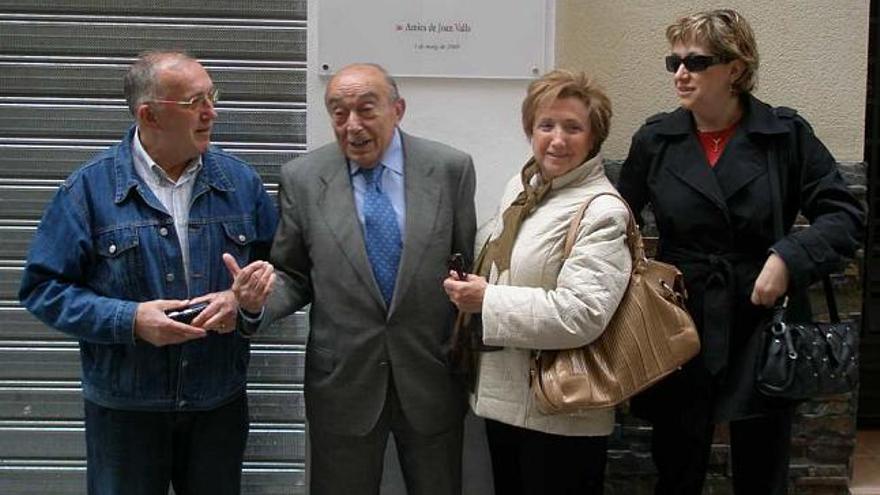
(759, 449)
(529, 462)
(141, 453)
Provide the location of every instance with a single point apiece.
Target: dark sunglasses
(692, 62)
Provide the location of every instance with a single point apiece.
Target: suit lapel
(336, 204)
(422, 202)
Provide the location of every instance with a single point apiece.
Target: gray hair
(141, 83)
(389, 80)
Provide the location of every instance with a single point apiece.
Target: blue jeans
(141, 452)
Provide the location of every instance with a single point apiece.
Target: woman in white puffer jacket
(530, 297)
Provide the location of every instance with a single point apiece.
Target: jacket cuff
(490, 337)
(123, 329)
(797, 262)
(248, 322)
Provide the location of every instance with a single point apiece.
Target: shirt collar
(151, 171)
(392, 158)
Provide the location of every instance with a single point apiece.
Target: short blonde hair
(726, 34)
(561, 83)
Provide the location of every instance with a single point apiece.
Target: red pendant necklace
(714, 142)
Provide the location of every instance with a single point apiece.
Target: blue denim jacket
(106, 242)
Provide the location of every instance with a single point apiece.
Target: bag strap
(633, 235)
(833, 315)
(463, 319)
(775, 192)
(633, 241)
(778, 230)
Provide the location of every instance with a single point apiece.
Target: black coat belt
(719, 295)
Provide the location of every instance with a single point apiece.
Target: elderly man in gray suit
(367, 225)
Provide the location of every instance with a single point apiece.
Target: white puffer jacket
(545, 302)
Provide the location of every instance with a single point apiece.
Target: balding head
(143, 80)
(366, 67)
(364, 108)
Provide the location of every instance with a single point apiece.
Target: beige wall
(813, 58)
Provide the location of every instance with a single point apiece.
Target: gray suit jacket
(355, 342)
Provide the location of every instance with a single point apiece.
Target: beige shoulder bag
(650, 335)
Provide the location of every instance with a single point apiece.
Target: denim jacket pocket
(119, 268)
(240, 235)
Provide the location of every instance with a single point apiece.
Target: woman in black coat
(704, 170)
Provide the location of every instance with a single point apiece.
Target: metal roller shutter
(61, 68)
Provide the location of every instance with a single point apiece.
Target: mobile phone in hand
(186, 314)
(456, 264)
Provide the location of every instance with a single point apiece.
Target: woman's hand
(467, 295)
(772, 282)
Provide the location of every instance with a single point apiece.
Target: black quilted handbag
(808, 360)
(805, 360)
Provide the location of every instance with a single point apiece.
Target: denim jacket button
(112, 248)
(163, 231)
(241, 238)
(169, 277)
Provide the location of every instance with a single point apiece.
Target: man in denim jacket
(134, 233)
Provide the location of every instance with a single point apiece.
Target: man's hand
(221, 313)
(154, 326)
(251, 284)
(467, 295)
(772, 282)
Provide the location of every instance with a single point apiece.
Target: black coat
(716, 224)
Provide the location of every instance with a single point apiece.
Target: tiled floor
(866, 470)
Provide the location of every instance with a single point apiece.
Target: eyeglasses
(196, 101)
(692, 62)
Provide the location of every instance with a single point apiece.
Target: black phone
(186, 314)
(456, 263)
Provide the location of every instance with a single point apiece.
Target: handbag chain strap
(779, 231)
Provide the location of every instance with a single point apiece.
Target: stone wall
(823, 434)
